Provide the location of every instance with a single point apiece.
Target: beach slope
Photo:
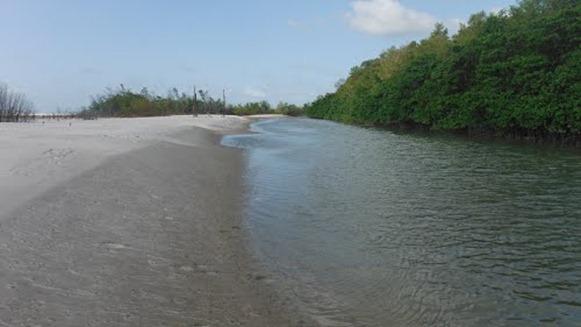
(148, 233)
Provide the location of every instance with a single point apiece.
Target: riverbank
(127, 222)
(573, 142)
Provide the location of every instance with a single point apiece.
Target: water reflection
(371, 228)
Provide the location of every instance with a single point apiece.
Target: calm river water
(361, 227)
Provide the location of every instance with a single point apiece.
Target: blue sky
(61, 52)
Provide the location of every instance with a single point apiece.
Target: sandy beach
(127, 222)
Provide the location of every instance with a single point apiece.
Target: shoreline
(152, 236)
(573, 142)
(39, 156)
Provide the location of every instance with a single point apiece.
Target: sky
(60, 53)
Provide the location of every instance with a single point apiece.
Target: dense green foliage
(263, 107)
(125, 103)
(289, 109)
(252, 108)
(515, 73)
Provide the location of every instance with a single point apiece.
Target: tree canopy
(513, 73)
(126, 103)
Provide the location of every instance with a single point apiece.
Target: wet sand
(152, 236)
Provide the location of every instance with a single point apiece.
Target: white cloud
(388, 18)
(254, 92)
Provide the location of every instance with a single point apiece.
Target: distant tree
(289, 109)
(125, 103)
(252, 108)
(14, 106)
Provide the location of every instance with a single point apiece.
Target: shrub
(14, 106)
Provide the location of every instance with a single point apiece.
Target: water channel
(364, 227)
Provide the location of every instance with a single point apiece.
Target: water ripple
(371, 228)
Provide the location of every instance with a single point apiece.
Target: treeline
(263, 107)
(14, 106)
(516, 73)
(126, 103)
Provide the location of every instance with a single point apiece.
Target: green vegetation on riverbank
(515, 73)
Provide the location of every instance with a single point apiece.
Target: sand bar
(127, 222)
(38, 156)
